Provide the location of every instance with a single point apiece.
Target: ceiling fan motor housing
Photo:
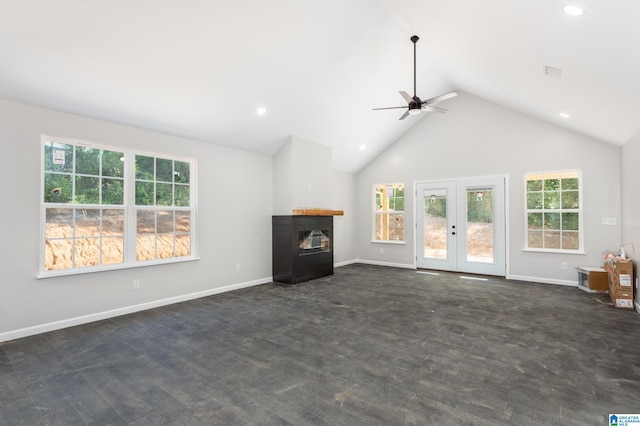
(414, 108)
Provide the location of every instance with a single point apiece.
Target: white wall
(479, 138)
(282, 177)
(343, 190)
(301, 176)
(630, 171)
(630, 202)
(234, 226)
(311, 181)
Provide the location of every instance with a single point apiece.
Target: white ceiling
(201, 68)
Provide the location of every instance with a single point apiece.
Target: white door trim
(505, 231)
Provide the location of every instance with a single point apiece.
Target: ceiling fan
(414, 104)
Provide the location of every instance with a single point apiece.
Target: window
(163, 216)
(554, 210)
(389, 212)
(105, 208)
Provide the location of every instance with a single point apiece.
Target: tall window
(554, 210)
(389, 212)
(106, 208)
(163, 215)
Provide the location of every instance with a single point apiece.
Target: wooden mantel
(317, 212)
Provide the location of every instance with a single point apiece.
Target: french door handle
(453, 233)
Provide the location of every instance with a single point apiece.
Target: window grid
(389, 212)
(77, 237)
(554, 211)
(162, 195)
(85, 210)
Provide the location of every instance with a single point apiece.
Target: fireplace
(302, 248)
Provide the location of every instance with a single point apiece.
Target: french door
(461, 225)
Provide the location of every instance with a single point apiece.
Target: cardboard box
(620, 276)
(620, 273)
(622, 299)
(593, 279)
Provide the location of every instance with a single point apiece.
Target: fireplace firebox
(302, 248)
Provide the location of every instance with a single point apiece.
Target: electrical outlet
(238, 267)
(564, 265)
(136, 284)
(381, 251)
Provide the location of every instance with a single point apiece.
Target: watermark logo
(624, 419)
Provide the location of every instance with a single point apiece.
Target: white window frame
(381, 212)
(579, 210)
(129, 210)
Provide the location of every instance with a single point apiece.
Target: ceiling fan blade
(405, 115)
(398, 107)
(406, 97)
(440, 98)
(432, 108)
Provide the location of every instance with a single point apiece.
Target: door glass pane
(435, 224)
(480, 235)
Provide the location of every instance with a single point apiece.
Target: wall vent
(552, 72)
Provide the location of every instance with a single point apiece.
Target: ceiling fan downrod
(414, 40)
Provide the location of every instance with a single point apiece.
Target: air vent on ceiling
(552, 72)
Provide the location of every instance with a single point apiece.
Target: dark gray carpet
(367, 346)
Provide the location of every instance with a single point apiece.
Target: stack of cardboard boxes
(620, 272)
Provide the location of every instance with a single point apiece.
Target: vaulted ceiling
(202, 68)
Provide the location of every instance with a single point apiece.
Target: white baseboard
(70, 322)
(393, 265)
(348, 262)
(543, 280)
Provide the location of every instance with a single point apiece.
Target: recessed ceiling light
(261, 111)
(564, 115)
(573, 10)
(363, 147)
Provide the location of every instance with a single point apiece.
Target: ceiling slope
(201, 69)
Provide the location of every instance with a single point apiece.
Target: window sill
(388, 242)
(120, 266)
(537, 250)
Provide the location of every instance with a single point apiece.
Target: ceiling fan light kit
(414, 104)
